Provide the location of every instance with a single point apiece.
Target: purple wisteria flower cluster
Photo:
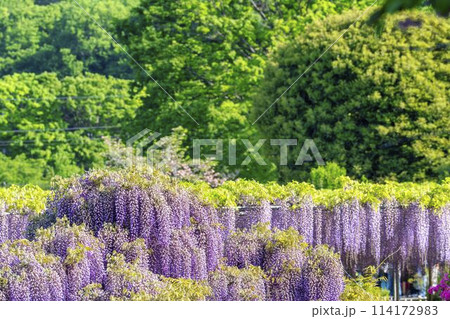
(365, 234)
(67, 262)
(117, 239)
(12, 226)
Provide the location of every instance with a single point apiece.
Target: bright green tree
(63, 121)
(21, 170)
(375, 103)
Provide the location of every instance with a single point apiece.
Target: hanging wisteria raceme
(439, 244)
(282, 216)
(235, 284)
(353, 238)
(390, 227)
(297, 214)
(185, 257)
(116, 240)
(4, 228)
(180, 205)
(246, 247)
(126, 280)
(371, 228)
(304, 214)
(318, 226)
(208, 233)
(283, 263)
(13, 221)
(254, 213)
(227, 220)
(416, 228)
(12, 226)
(136, 252)
(405, 235)
(322, 276)
(29, 274)
(113, 238)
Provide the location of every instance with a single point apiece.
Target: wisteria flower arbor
(128, 235)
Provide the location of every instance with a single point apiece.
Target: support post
(430, 281)
(396, 284)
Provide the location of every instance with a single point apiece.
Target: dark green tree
(376, 103)
(60, 37)
(441, 7)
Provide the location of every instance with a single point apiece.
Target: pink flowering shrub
(443, 288)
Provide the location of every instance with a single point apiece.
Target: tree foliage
(375, 103)
(21, 170)
(209, 56)
(442, 7)
(58, 36)
(329, 176)
(365, 287)
(49, 119)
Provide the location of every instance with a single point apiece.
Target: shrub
(328, 176)
(364, 287)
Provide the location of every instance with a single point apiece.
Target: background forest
(376, 103)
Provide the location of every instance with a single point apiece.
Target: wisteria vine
(120, 236)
